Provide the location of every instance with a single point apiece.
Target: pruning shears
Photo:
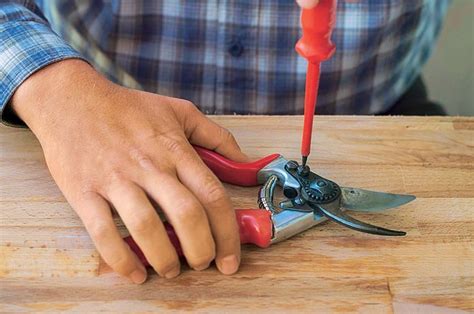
(309, 200)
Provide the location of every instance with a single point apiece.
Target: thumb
(202, 131)
(307, 4)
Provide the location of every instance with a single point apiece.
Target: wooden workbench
(47, 260)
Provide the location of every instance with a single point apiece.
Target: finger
(95, 213)
(307, 4)
(145, 226)
(185, 214)
(204, 132)
(194, 174)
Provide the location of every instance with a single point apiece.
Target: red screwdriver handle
(317, 24)
(255, 227)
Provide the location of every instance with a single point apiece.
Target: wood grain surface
(48, 262)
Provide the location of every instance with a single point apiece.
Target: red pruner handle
(317, 24)
(255, 227)
(229, 171)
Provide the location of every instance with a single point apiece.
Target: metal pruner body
(312, 199)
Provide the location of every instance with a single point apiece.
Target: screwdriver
(315, 46)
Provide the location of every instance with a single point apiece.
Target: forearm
(43, 97)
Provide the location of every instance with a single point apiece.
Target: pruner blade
(333, 212)
(371, 201)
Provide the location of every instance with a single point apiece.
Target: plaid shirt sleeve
(27, 44)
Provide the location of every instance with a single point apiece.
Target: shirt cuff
(26, 47)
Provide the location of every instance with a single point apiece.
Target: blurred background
(448, 74)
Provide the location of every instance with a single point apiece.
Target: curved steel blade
(335, 213)
(371, 201)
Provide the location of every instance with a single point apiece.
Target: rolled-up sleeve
(27, 44)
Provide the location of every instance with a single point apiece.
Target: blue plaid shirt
(225, 56)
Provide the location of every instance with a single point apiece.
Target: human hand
(106, 145)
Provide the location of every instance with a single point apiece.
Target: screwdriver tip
(304, 159)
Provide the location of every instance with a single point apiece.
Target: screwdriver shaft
(312, 84)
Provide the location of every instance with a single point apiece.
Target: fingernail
(202, 267)
(229, 264)
(172, 273)
(138, 276)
